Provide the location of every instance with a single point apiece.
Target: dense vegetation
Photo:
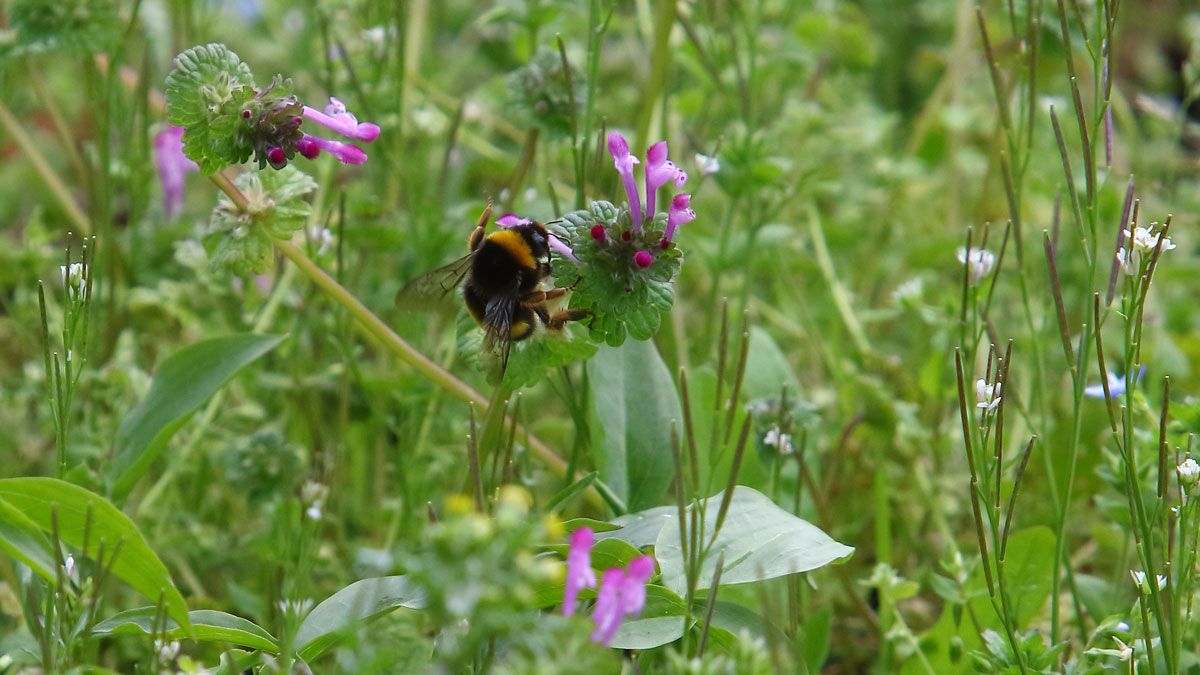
(875, 354)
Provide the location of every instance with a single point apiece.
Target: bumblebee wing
(429, 290)
(497, 319)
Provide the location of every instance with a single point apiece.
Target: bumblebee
(505, 279)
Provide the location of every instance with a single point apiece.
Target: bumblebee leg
(559, 319)
(539, 297)
(476, 236)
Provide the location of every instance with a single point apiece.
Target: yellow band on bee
(516, 246)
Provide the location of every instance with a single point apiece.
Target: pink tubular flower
(622, 594)
(607, 614)
(511, 220)
(579, 568)
(173, 166)
(623, 161)
(311, 146)
(681, 212)
(659, 172)
(337, 118)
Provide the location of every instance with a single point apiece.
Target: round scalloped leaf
(205, 95)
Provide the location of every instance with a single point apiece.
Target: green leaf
(760, 541)
(275, 209)
(641, 528)
(78, 27)
(566, 494)
(360, 601)
(207, 625)
(205, 95)
(43, 500)
(767, 369)
(634, 405)
(183, 382)
(1028, 568)
(623, 298)
(23, 540)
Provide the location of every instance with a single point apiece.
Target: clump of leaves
(625, 299)
(226, 118)
(548, 90)
(241, 238)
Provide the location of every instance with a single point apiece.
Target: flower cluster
(338, 119)
(987, 396)
(658, 172)
(622, 592)
(1142, 241)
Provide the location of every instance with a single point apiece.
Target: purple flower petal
(344, 152)
(681, 212)
(345, 123)
(579, 568)
(173, 166)
(623, 162)
(633, 587)
(607, 614)
(561, 247)
(659, 172)
(512, 220)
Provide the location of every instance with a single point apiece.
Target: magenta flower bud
(681, 212)
(276, 157)
(173, 167)
(579, 568)
(511, 220)
(643, 259)
(659, 172)
(599, 233)
(245, 114)
(345, 153)
(307, 148)
(345, 123)
(623, 162)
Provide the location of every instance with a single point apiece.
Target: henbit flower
(579, 568)
(708, 165)
(680, 213)
(598, 233)
(311, 146)
(606, 614)
(511, 220)
(173, 166)
(643, 259)
(337, 118)
(659, 172)
(623, 162)
(1116, 385)
(1189, 472)
(987, 396)
(633, 586)
(979, 262)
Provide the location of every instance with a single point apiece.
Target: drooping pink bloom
(607, 614)
(173, 166)
(681, 212)
(311, 146)
(579, 568)
(623, 162)
(659, 172)
(622, 594)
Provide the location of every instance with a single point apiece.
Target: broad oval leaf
(78, 511)
(360, 601)
(24, 540)
(207, 625)
(760, 541)
(634, 403)
(661, 621)
(183, 382)
(641, 528)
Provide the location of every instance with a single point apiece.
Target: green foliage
(206, 625)
(79, 28)
(182, 384)
(242, 238)
(360, 601)
(624, 299)
(548, 94)
(206, 93)
(92, 525)
(634, 407)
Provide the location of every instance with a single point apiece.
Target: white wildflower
(780, 441)
(1139, 580)
(167, 651)
(708, 165)
(979, 262)
(987, 396)
(313, 495)
(908, 291)
(1189, 472)
(74, 278)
